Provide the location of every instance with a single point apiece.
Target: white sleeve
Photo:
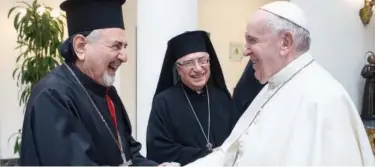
(341, 136)
(216, 158)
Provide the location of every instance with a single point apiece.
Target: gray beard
(108, 80)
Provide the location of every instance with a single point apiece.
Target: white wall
(157, 22)
(11, 114)
(128, 69)
(340, 41)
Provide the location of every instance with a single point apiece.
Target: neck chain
(266, 102)
(209, 146)
(275, 92)
(118, 139)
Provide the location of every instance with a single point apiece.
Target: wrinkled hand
(169, 164)
(216, 149)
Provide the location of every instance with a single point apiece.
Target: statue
(368, 73)
(367, 11)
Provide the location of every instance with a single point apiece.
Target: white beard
(108, 80)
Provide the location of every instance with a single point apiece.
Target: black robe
(246, 89)
(173, 133)
(61, 126)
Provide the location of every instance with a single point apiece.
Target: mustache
(116, 63)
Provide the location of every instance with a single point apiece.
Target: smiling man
(303, 116)
(192, 112)
(74, 116)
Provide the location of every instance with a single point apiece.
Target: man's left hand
(169, 164)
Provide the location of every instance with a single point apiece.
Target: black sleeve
(246, 89)
(161, 146)
(55, 134)
(137, 158)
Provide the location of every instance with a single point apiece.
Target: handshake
(169, 164)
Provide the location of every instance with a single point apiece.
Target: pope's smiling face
(265, 47)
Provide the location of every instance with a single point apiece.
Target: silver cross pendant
(209, 146)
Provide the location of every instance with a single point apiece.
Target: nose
(197, 67)
(246, 51)
(122, 56)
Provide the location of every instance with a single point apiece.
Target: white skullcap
(289, 11)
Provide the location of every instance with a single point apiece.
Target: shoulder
(325, 93)
(319, 84)
(55, 83)
(219, 92)
(168, 94)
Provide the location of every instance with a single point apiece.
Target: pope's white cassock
(303, 116)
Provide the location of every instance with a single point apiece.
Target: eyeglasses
(190, 64)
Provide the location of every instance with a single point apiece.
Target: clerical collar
(286, 72)
(89, 83)
(191, 91)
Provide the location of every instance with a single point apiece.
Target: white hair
(108, 80)
(94, 36)
(301, 36)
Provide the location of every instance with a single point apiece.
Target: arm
(137, 158)
(342, 135)
(57, 136)
(161, 146)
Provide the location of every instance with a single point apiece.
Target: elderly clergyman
(74, 116)
(302, 116)
(192, 111)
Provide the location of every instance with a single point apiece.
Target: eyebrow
(198, 58)
(116, 42)
(250, 37)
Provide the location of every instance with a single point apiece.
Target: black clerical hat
(181, 45)
(88, 15)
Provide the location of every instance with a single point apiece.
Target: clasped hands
(175, 164)
(169, 164)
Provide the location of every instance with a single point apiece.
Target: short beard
(108, 80)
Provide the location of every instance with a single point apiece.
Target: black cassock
(173, 132)
(246, 89)
(62, 127)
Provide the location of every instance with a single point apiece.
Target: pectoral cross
(209, 146)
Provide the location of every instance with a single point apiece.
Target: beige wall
(128, 70)
(225, 21)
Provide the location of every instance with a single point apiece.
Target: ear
(286, 42)
(179, 70)
(79, 43)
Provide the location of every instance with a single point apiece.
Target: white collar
(285, 73)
